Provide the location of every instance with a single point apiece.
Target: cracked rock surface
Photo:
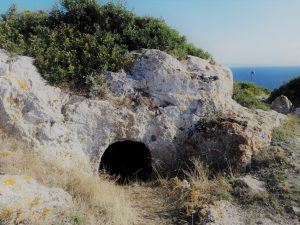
(177, 109)
(23, 200)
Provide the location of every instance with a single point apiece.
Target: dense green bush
(246, 94)
(291, 89)
(80, 38)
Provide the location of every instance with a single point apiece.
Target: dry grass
(271, 155)
(188, 197)
(288, 130)
(209, 188)
(97, 200)
(127, 102)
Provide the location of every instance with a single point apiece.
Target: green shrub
(246, 94)
(96, 85)
(81, 38)
(291, 89)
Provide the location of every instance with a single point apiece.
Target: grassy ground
(279, 167)
(249, 95)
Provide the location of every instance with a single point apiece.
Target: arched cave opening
(129, 160)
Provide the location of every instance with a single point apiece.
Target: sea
(270, 77)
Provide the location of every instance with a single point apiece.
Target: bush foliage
(80, 38)
(291, 89)
(247, 93)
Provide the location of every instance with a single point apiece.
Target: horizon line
(260, 65)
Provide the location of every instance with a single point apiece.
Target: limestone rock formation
(231, 139)
(23, 200)
(166, 104)
(282, 105)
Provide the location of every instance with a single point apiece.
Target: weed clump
(247, 94)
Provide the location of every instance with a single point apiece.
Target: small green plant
(96, 85)
(279, 135)
(247, 94)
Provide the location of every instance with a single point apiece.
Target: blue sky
(260, 32)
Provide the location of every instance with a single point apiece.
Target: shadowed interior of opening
(127, 159)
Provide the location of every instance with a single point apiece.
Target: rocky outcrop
(166, 104)
(230, 139)
(24, 201)
(282, 105)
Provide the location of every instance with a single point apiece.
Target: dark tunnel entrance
(127, 159)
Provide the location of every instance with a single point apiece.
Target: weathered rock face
(282, 105)
(23, 200)
(160, 102)
(232, 138)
